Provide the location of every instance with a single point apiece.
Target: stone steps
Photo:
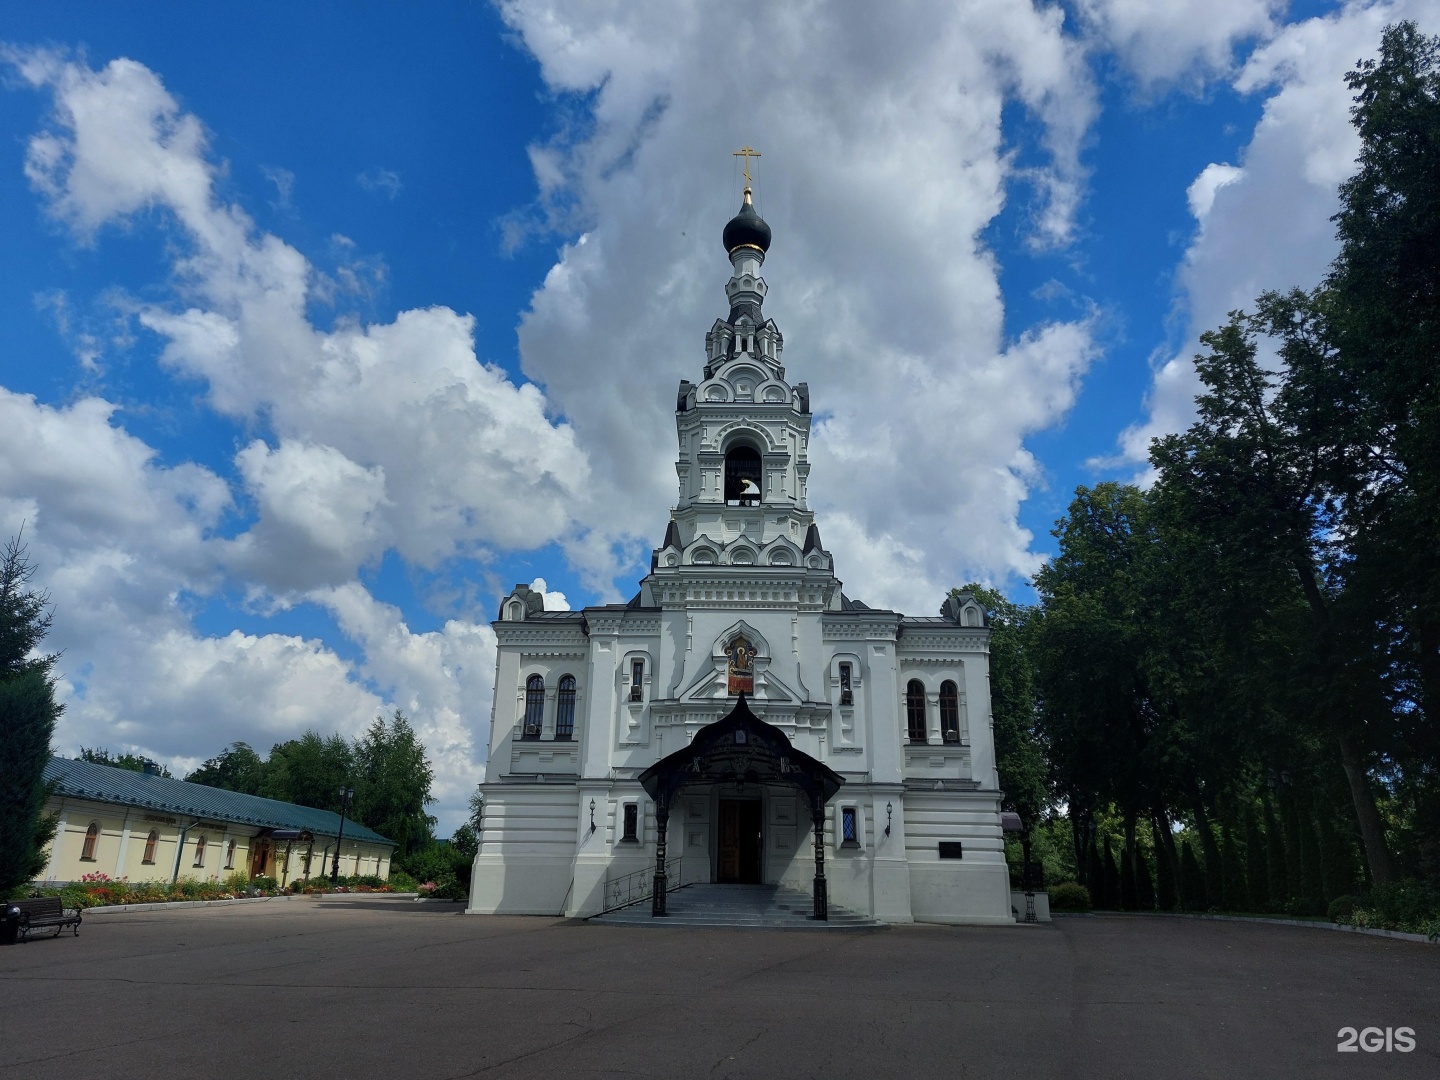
(761, 907)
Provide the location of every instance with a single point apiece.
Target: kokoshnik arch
(741, 719)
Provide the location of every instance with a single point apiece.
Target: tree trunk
(1367, 815)
(1079, 834)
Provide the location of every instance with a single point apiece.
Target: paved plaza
(388, 988)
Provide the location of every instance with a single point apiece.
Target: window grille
(534, 706)
(915, 711)
(565, 708)
(632, 822)
(849, 832)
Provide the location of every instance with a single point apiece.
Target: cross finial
(747, 152)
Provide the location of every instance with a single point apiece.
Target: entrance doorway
(739, 861)
(259, 857)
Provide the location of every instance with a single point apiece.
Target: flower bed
(365, 883)
(100, 890)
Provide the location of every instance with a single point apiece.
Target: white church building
(741, 719)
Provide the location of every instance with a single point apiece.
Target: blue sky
(321, 325)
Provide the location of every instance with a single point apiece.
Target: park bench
(43, 912)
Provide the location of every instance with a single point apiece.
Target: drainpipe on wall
(180, 850)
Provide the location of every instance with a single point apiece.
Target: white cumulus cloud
(1176, 41)
(374, 437)
(884, 162)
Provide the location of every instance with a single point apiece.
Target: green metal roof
(104, 783)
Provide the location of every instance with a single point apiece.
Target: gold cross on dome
(747, 153)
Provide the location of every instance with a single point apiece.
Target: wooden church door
(739, 841)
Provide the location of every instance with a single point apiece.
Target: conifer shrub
(1068, 896)
(1144, 886)
(1342, 909)
(1129, 900)
(1192, 881)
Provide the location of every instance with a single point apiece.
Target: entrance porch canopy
(740, 748)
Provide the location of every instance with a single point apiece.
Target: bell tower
(743, 432)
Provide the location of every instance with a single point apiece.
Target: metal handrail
(634, 887)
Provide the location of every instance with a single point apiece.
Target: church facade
(742, 605)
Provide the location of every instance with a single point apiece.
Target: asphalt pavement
(370, 988)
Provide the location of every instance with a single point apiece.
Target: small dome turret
(747, 229)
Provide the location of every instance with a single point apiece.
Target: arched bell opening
(742, 476)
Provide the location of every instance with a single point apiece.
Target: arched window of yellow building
(230, 856)
(200, 852)
(150, 842)
(92, 834)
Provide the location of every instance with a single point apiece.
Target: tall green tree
(1383, 294)
(309, 771)
(236, 768)
(28, 712)
(1253, 471)
(392, 783)
(99, 755)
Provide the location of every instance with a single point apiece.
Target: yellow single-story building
(143, 827)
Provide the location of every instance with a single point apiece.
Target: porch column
(662, 819)
(822, 899)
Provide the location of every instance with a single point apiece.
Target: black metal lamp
(346, 794)
(889, 809)
(592, 817)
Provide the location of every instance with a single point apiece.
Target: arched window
(150, 841)
(742, 476)
(915, 711)
(565, 708)
(949, 711)
(92, 834)
(230, 856)
(534, 706)
(200, 851)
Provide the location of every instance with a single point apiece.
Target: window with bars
(915, 711)
(534, 706)
(631, 822)
(565, 708)
(949, 712)
(847, 694)
(849, 827)
(637, 680)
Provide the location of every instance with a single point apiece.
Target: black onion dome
(747, 228)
